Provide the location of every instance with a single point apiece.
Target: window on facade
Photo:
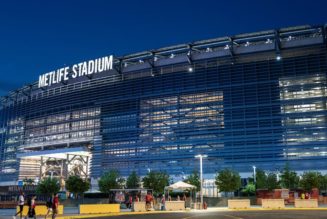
(302, 100)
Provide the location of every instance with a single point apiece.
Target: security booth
(181, 204)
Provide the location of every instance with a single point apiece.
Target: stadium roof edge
(148, 54)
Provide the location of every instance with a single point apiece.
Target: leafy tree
(110, 180)
(251, 180)
(156, 181)
(272, 182)
(77, 185)
(194, 180)
(249, 189)
(288, 178)
(310, 180)
(133, 181)
(48, 186)
(323, 182)
(261, 179)
(228, 180)
(266, 181)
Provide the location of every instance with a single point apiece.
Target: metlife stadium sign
(77, 70)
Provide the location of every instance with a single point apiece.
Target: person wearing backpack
(49, 205)
(20, 203)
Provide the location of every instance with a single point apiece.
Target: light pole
(201, 177)
(254, 167)
(51, 173)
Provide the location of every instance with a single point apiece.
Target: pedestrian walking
(31, 207)
(20, 204)
(163, 202)
(55, 205)
(49, 206)
(130, 201)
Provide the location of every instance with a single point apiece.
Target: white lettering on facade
(77, 70)
(74, 75)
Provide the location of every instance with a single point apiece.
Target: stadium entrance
(59, 163)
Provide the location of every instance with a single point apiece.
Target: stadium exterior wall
(253, 99)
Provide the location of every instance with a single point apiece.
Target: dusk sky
(40, 36)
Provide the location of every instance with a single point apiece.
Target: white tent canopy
(180, 185)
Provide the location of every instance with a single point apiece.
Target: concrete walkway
(72, 212)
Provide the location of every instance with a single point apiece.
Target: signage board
(77, 70)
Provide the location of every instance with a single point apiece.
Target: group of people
(179, 198)
(305, 195)
(52, 204)
(149, 200)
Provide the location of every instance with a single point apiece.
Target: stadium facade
(251, 99)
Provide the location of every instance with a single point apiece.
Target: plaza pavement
(72, 213)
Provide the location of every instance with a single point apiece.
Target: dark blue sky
(40, 36)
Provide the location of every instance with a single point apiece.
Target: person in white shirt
(20, 203)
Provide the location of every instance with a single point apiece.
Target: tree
(310, 180)
(110, 180)
(228, 180)
(48, 186)
(249, 189)
(323, 182)
(266, 180)
(156, 181)
(77, 185)
(261, 179)
(133, 181)
(272, 182)
(288, 178)
(194, 180)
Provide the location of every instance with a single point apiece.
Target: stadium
(256, 99)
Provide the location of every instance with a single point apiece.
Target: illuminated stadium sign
(77, 70)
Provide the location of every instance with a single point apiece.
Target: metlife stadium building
(251, 99)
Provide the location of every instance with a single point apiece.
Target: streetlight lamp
(201, 177)
(254, 167)
(51, 173)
